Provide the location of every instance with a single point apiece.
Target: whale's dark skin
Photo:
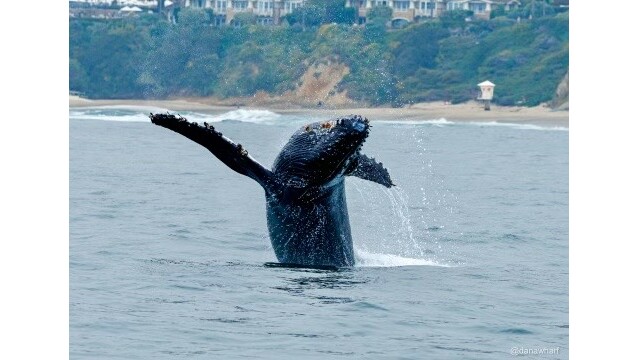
(305, 190)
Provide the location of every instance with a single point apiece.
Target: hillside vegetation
(147, 57)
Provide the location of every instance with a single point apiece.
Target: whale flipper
(368, 169)
(231, 154)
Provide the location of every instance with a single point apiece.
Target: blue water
(466, 259)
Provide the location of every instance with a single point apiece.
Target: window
(478, 8)
(401, 5)
(428, 7)
(264, 20)
(239, 5)
(220, 20)
(290, 6)
(265, 5)
(454, 5)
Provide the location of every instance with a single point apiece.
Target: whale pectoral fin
(231, 154)
(368, 169)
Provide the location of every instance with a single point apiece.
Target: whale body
(306, 205)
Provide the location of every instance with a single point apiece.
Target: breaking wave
(517, 126)
(252, 116)
(141, 113)
(114, 114)
(435, 122)
(444, 122)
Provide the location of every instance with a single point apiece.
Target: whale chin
(321, 151)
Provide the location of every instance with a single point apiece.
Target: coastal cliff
(560, 100)
(329, 64)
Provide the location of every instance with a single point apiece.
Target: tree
(183, 58)
(533, 10)
(244, 19)
(379, 15)
(376, 26)
(317, 12)
(336, 12)
(497, 11)
(418, 48)
(78, 79)
(455, 18)
(193, 17)
(309, 15)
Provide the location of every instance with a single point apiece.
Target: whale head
(322, 151)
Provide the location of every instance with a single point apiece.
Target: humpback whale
(306, 207)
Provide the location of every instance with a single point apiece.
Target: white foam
(367, 259)
(436, 122)
(518, 126)
(145, 109)
(93, 115)
(252, 116)
(444, 122)
(132, 113)
(140, 114)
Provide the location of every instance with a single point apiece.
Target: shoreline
(466, 112)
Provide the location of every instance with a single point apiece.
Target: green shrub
(438, 60)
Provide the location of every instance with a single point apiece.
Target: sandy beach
(469, 112)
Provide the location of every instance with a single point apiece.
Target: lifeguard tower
(486, 89)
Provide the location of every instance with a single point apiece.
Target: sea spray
(367, 259)
(423, 227)
(435, 212)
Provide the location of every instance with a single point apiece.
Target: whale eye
(308, 128)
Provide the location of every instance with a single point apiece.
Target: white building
(413, 10)
(267, 11)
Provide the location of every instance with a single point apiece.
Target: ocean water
(467, 258)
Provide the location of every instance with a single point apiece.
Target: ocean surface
(467, 258)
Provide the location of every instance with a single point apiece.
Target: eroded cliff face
(319, 84)
(317, 87)
(560, 99)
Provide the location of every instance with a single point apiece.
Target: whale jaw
(321, 151)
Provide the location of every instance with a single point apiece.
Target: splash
(367, 259)
(414, 223)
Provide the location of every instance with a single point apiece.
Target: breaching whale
(305, 192)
